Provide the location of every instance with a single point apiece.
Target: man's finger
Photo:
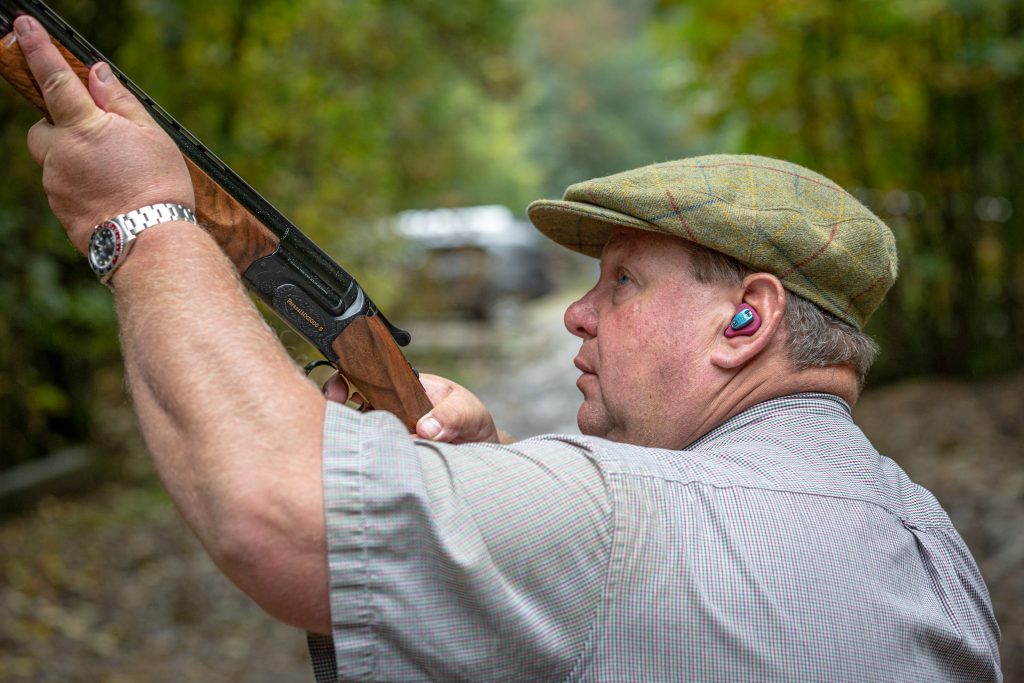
(111, 95)
(337, 388)
(66, 98)
(40, 137)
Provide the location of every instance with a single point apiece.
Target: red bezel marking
(118, 242)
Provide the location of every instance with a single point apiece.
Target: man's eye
(623, 279)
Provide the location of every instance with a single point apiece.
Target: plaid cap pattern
(771, 215)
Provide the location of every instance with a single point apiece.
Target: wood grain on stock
(243, 238)
(370, 358)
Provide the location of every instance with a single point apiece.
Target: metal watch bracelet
(147, 216)
(111, 239)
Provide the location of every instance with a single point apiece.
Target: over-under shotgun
(289, 272)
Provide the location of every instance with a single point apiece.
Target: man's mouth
(588, 373)
(583, 366)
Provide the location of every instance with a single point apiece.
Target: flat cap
(771, 215)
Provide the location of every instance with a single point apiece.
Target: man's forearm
(233, 427)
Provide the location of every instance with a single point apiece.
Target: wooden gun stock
(370, 359)
(366, 350)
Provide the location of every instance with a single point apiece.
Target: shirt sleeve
(472, 562)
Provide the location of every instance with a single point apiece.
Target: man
(722, 520)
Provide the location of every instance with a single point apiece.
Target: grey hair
(815, 338)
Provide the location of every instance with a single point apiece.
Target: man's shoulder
(754, 462)
(803, 445)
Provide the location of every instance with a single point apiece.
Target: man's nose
(581, 317)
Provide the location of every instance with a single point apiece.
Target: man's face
(647, 328)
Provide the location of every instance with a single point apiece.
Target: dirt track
(111, 587)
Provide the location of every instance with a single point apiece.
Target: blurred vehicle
(478, 260)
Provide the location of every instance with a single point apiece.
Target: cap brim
(579, 226)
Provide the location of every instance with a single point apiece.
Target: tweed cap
(770, 215)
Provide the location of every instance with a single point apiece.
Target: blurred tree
(918, 107)
(599, 97)
(56, 326)
(339, 112)
(343, 112)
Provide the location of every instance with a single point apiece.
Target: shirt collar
(809, 403)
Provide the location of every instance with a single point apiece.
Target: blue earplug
(745, 322)
(742, 319)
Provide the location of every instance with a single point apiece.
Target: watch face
(105, 247)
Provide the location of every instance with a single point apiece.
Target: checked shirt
(778, 547)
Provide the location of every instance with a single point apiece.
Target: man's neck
(748, 389)
(837, 380)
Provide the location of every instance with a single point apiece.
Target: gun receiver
(286, 269)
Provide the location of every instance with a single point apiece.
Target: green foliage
(599, 102)
(919, 106)
(343, 112)
(57, 325)
(339, 112)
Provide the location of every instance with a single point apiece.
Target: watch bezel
(121, 243)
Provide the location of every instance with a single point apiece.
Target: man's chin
(589, 423)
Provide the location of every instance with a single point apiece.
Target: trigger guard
(313, 365)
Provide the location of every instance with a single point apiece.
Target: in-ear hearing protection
(744, 323)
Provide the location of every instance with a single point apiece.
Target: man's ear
(764, 293)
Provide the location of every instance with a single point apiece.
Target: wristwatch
(112, 239)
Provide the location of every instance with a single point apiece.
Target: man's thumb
(110, 95)
(429, 427)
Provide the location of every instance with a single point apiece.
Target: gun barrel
(333, 284)
(303, 285)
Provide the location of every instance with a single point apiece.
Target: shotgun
(281, 265)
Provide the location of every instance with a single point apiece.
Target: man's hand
(458, 415)
(103, 155)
